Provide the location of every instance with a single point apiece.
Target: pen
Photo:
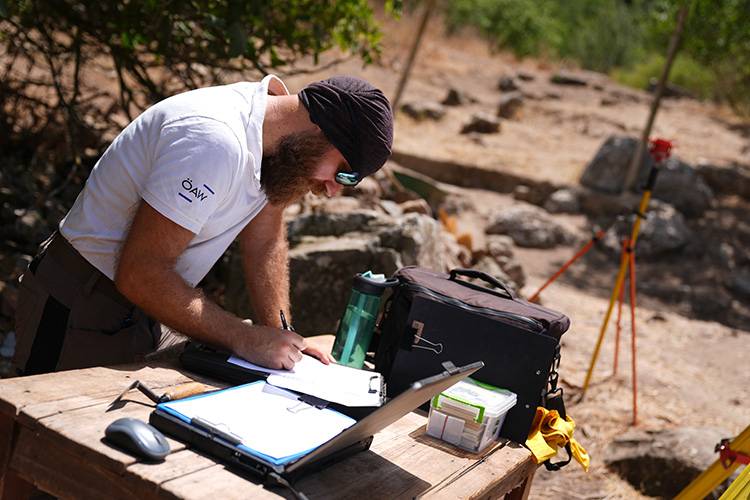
(284, 324)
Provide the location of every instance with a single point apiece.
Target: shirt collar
(270, 84)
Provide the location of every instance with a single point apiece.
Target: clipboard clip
(215, 430)
(306, 401)
(371, 389)
(418, 326)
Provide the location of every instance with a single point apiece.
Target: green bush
(598, 34)
(686, 72)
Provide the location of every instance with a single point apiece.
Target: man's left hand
(320, 347)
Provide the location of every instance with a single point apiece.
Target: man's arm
(146, 275)
(265, 260)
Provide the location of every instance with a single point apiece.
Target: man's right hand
(269, 347)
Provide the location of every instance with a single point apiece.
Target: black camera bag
(434, 317)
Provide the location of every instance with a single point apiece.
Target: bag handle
(473, 273)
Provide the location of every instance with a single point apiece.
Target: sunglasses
(348, 178)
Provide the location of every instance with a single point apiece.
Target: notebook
(335, 383)
(283, 431)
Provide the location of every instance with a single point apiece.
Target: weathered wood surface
(60, 420)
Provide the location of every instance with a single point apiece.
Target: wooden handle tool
(173, 393)
(183, 391)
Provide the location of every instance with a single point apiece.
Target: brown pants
(71, 316)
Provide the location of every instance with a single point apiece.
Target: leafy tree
(717, 35)
(74, 72)
(154, 48)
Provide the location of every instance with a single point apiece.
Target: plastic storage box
(469, 414)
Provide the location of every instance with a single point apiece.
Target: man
(168, 197)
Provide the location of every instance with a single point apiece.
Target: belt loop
(88, 287)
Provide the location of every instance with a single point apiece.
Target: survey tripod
(660, 150)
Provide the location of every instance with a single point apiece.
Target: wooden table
(51, 429)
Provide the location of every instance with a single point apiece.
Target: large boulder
(725, 180)
(417, 240)
(335, 224)
(530, 226)
(321, 272)
(663, 231)
(661, 463)
(606, 172)
(678, 183)
(329, 249)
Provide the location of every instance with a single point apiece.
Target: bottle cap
(364, 283)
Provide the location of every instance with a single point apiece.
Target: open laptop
(356, 438)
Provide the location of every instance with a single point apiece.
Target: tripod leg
(615, 292)
(632, 336)
(620, 300)
(597, 236)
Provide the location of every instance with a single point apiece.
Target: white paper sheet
(334, 383)
(267, 420)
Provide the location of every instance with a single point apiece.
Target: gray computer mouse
(137, 438)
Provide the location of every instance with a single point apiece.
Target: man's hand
(269, 347)
(320, 347)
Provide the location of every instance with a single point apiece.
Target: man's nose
(333, 188)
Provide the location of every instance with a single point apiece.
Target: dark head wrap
(355, 117)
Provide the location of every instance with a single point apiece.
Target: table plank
(505, 468)
(100, 381)
(177, 464)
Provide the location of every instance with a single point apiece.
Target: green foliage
(686, 72)
(76, 69)
(629, 37)
(518, 25)
(600, 34)
(597, 33)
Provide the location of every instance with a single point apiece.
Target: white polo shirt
(195, 158)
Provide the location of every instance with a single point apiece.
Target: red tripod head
(660, 149)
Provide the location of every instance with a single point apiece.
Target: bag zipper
(525, 322)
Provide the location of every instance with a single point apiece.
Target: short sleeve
(194, 162)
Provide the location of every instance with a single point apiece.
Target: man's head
(353, 139)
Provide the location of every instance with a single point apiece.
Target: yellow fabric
(550, 432)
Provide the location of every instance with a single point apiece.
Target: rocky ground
(522, 160)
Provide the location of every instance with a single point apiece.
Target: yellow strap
(550, 432)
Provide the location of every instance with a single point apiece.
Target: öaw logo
(194, 192)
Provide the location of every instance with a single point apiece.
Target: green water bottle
(358, 322)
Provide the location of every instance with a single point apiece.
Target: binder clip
(418, 326)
